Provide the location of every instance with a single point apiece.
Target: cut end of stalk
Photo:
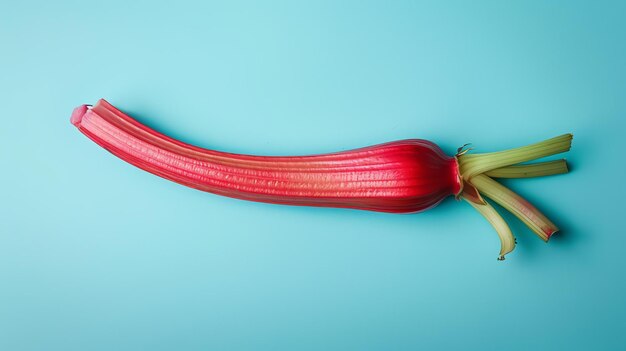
(78, 113)
(550, 233)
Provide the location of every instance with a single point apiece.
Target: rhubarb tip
(78, 113)
(549, 234)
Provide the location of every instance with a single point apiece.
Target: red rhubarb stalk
(399, 177)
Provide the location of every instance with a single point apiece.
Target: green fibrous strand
(539, 169)
(474, 164)
(477, 171)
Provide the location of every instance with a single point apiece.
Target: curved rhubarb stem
(403, 176)
(398, 177)
(507, 240)
(517, 205)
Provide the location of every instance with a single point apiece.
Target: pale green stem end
(507, 240)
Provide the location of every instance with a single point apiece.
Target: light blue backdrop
(98, 255)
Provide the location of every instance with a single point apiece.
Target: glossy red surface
(401, 176)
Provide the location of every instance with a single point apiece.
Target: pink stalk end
(78, 113)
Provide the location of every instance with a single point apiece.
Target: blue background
(98, 255)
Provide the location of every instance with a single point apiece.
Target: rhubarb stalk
(398, 177)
